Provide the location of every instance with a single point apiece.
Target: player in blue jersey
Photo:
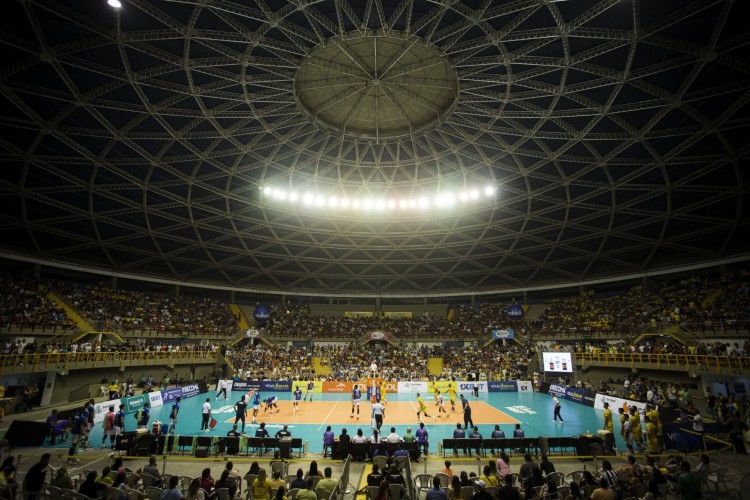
(256, 405)
(271, 403)
(173, 415)
(310, 390)
(77, 429)
(356, 399)
(297, 397)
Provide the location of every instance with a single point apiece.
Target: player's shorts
(118, 430)
(74, 438)
(355, 402)
(422, 409)
(256, 407)
(109, 432)
(172, 421)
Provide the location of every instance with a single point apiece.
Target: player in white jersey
(441, 406)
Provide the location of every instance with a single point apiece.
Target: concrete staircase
(70, 312)
(435, 366)
(237, 311)
(320, 368)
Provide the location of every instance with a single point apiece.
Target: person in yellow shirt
(261, 485)
(635, 422)
(608, 418)
(435, 393)
(422, 409)
(452, 393)
(383, 393)
(623, 418)
(113, 389)
(652, 436)
(653, 415)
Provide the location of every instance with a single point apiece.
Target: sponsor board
(190, 390)
(134, 403)
(412, 387)
(170, 395)
(615, 403)
(243, 385)
(154, 399)
(524, 386)
(469, 386)
(339, 387)
(507, 333)
(276, 385)
(443, 386)
(101, 409)
(317, 386)
(502, 386)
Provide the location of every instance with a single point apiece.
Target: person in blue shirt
(328, 439)
(422, 437)
(86, 414)
(261, 431)
(173, 415)
(436, 492)
(497, 434)
(356, 399)
(256, 405)
(476, 435)
(145, 416)
(518, 432)
(297, 397)
(271, 403)
(78, 428)
(240, 409)
(120, 421)
(459, 433)
(467, 412)
(310, 390)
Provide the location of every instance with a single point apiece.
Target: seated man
(326, 485)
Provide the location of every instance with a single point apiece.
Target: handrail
(701, 362)
(65, 360)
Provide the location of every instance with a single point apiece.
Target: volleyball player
(441, 405)
(356, 399)
(422, 409)
(310, 390)
(297, 397)
(256, 405)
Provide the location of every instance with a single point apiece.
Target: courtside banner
(134, 403)
(170, 395)
(101, 409)
(412, 387)
(469, 386)
(190, 390)
(578, 396)
(524, 386)
(502, 386)
(243, 385)
(317, 386)
(443, 386)
(616, 403)
(154, 399)
(276, 385)
(345, 387)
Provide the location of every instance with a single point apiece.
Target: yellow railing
(700, 362)
(77, 360)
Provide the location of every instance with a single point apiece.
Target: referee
(467, 412)
(206, 414)
(378, 411)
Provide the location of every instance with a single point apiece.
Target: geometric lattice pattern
(137, 141)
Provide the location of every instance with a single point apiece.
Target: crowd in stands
(262, 361)
(131, 311)
(25, 305)
(651, 345)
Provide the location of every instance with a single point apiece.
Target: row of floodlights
(336, 202)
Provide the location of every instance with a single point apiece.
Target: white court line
(329, 414)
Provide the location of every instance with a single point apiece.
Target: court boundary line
(329, 414)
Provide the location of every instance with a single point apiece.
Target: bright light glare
(438, 201)
(114, 3)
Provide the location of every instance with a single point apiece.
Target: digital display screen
(557, 362)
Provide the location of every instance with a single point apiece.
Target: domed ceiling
(178, 139)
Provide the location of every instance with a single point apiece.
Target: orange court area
(396, 413)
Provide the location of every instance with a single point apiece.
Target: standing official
(557, 409)
(206, 414)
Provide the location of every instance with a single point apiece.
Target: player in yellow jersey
(635, 423)
(383, 393)
(608, 418)
(623, 418)
(652, 437)
(452, 394)
(653, 415)
(422, 409)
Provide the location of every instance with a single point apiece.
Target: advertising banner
(340, 387)
(276, 385)
(524, 386)
(317, 386)
(358, 314)
(616, 403)
(502, 386)
(170, 395)
(134, 403)
(412, 387)
(442, 386)
(190, 390)
(243, 385)
(469, 386)
(397, 314)
(508, 333)
(100, 409)
(579, 396)
(154, 399)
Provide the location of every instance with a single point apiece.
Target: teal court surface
(533, 411)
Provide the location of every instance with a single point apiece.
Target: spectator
(688, 484)
(261, 485)
(194, 491)
(62, 479)
(207, 482)
(503, 465)
(527, 467)
(326, 485)
(298, 482)
(603, 492)
(534, 480)
(34, 479)
(93, 488)
(546, 466)
(225, 481)
(436, 492)
(447, 470)
(307, 493)
(313, 470)
(508, 491)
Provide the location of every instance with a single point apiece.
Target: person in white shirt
(557, 409)
(359, 438)
(393, 437)
(378, 412)
(206, 414)
(221, 388)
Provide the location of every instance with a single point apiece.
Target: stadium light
(115, 4)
